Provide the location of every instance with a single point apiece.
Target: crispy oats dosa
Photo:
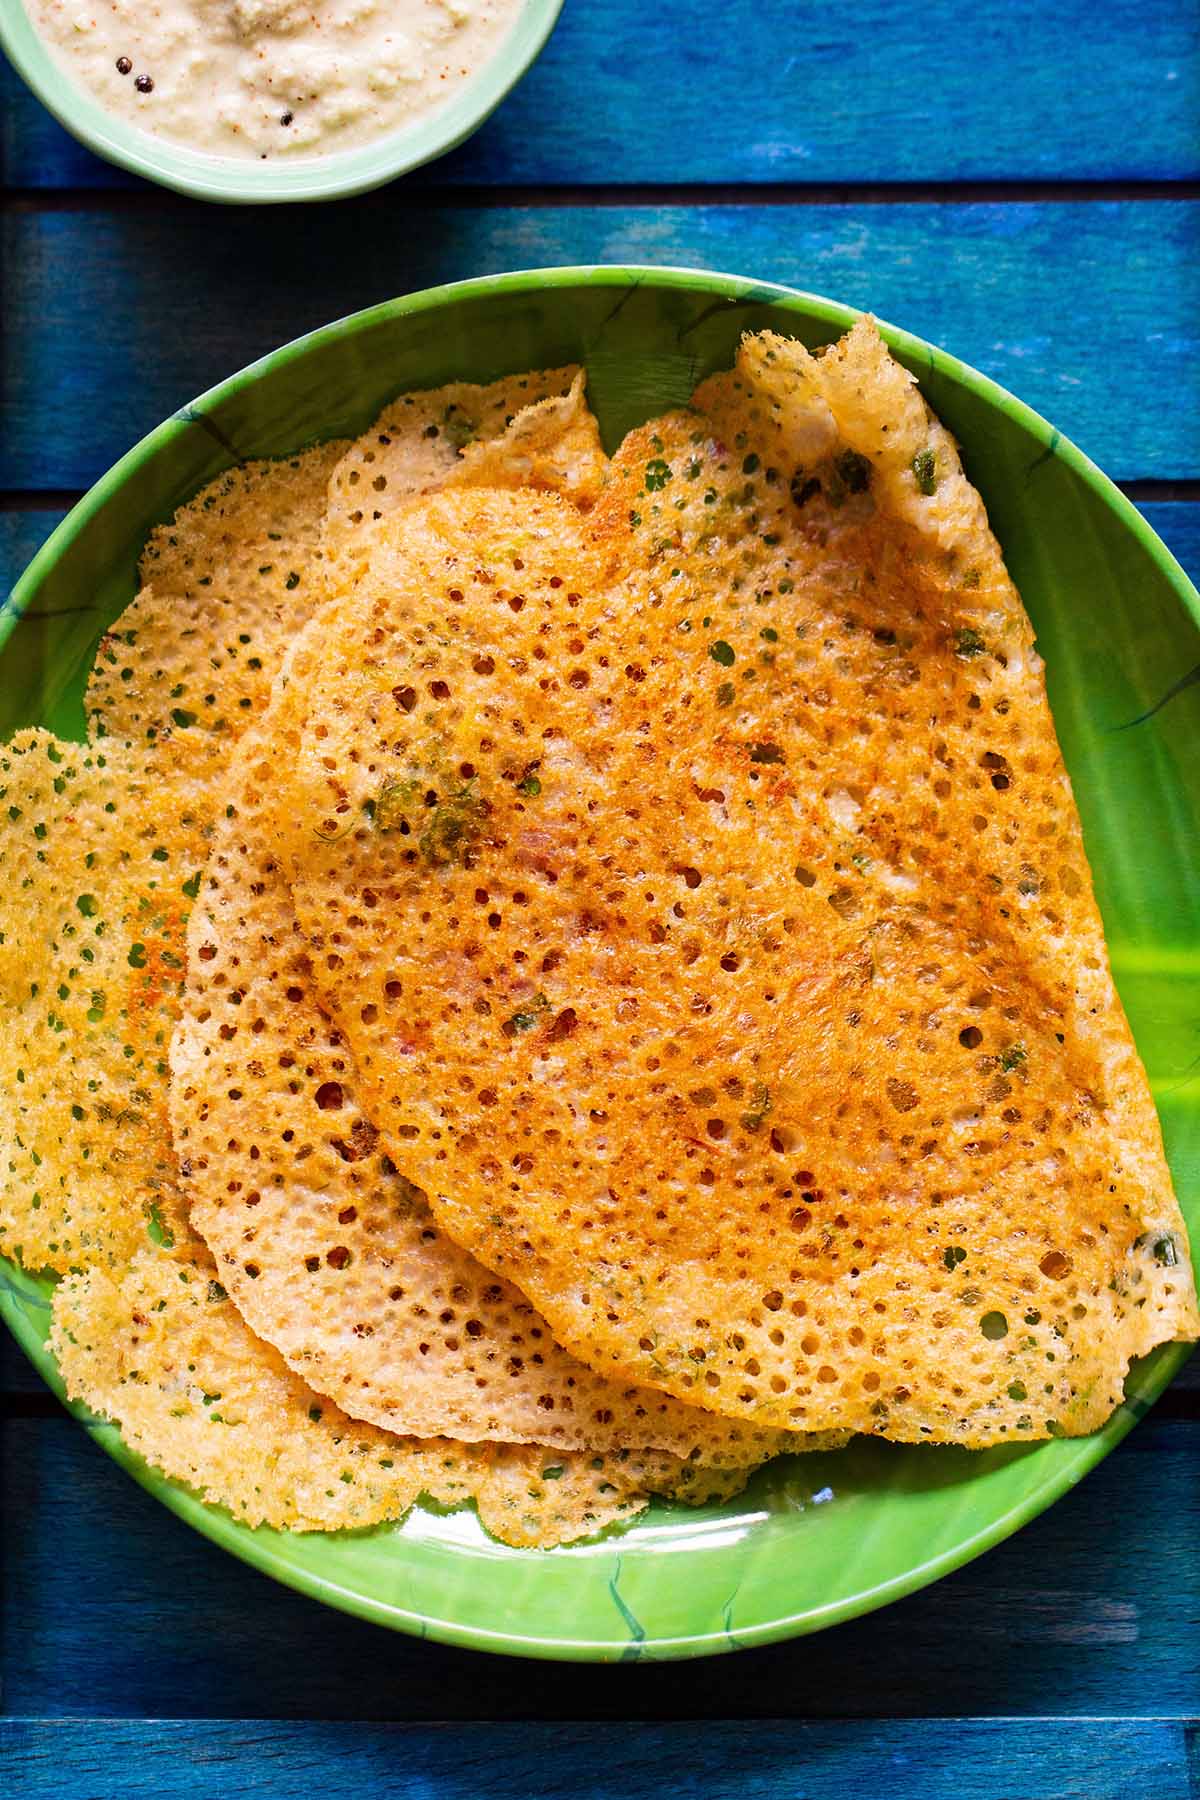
(143, 1329)
(225, 585)
(710, 924)
(328, 1252)
(98, 882)
(645, 1004)
(420, 441)
(160, 1350)
(103, 862)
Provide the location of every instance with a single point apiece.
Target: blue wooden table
(1018, 184)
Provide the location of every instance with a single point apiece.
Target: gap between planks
(612, 194)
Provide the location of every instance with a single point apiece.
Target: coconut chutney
(270, 78)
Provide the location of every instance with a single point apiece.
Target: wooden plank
(114, 1607)
(708, 92)
(1081, 308)
(943, 1759)
(23, 531)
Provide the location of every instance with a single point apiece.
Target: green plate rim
(1147, 1378)
(231, 181)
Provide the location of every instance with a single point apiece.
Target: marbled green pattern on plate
(816, 1539)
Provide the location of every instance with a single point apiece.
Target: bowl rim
(1072, 1458)
(233, 181)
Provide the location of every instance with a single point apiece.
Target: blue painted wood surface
(826, 150)
(970, 1759)
(1083, 308)
(712, 93)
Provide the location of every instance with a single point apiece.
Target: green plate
(246, 180)
(814, 1539)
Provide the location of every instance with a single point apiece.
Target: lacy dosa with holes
(106, 846)
(327, 1251)
(709, 921)
(645, 1006)
(423, 440)
(163, 1353)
